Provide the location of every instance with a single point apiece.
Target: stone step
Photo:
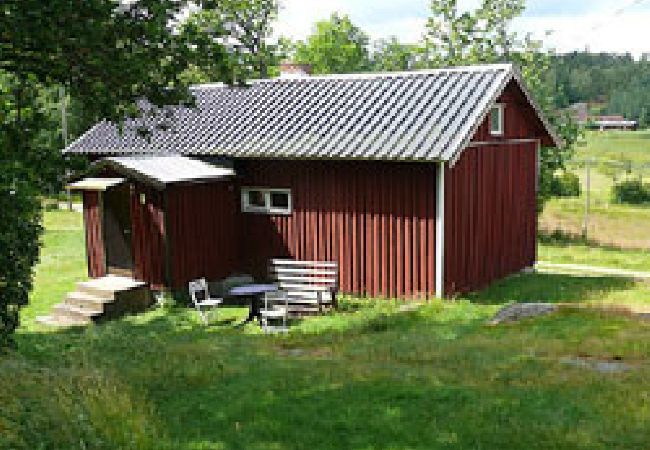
(73, 312)
(87, 301)
(57, 321)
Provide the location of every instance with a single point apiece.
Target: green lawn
(616, 145)
(367, 377)
(609, 224)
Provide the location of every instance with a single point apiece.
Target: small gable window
(266, 200)
(496, 120)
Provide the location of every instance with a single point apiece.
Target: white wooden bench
(311, 285)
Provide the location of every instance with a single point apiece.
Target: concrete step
(104, 298)
(95, 291)
(107, 286)
(56, 321)
(73, 312)
(87, 301)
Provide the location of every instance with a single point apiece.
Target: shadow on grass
(549, 288)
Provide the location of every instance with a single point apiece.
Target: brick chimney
(289, 69)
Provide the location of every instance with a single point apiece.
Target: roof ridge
(372, 75)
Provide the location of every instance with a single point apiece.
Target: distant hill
(610, 84)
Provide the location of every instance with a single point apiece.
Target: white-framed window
(496, 120)
(266, 200)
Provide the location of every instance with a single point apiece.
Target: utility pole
(64, 133)
(585, 225)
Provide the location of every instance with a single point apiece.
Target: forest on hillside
(613, 84)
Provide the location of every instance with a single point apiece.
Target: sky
(618, 26)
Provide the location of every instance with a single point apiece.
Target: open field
(616, 145)
(610, 224)
(367, 377)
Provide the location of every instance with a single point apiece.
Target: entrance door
(117, 230)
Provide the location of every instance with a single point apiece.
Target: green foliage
(336, 46)
(566, 184)
(631, 191)
(391, 55)
(619, 82)
(108, 55)
(453, 38)
(248, 23)
(20, 153)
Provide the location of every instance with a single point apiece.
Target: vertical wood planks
(376, 220)
(490, 206)
(94, 239)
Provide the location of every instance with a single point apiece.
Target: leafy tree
(336, 46)
(483, 36)
(108, 55)
(248, 24)
(391, 55)
(643, 118)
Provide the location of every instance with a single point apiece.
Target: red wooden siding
(94, 239)
(148, 235)
(490, 215)
(520, 119)
(203, 231)
(377, 220)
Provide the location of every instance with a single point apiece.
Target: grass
(609, 224)
(616, 145)
(63, 262)
(589, 254)
(367, 377)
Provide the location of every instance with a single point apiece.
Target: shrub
(566, 185)
(631, 191)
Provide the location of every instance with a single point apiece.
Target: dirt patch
(317, 352)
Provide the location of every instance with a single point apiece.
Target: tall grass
(71, 408)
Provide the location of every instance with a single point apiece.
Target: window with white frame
(266, 200)
(496, 120)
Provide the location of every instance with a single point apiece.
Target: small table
(254, 292)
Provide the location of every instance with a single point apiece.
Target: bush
(566, 185)
(20, 228)
(631, 191)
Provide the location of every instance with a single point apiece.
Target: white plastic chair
(275, 311)
(202, 300)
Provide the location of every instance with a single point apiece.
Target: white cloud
(596, 32)
(577, 24)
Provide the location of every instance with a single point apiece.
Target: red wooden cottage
(418, 184)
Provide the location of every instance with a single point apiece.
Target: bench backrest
(306, 279)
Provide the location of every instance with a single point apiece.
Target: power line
(616, 13)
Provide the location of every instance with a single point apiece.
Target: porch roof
(163, 170)
(94, 184)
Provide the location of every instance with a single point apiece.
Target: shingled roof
(424, 115)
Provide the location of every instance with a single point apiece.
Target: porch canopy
(158, 171)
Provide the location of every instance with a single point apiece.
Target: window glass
(496, 120)
(266, 200)
(256, 199)
(280, 200)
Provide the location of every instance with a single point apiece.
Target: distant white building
(604, 123)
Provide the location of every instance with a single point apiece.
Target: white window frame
(500, 108)
(246, 207)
